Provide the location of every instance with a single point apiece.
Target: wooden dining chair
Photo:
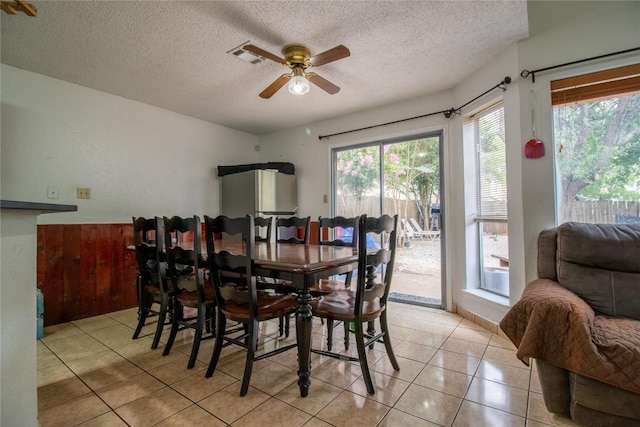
(293, 230)
(288, 230)
(150, 280)
(263, 228)
(234, 281)
(183, 238)
(336, 231)
(368, 301)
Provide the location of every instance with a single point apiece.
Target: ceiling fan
(298, 58)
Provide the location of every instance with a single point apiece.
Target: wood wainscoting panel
(85, 270)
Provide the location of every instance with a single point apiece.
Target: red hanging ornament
(534, 148)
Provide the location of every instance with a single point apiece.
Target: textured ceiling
(173, 54)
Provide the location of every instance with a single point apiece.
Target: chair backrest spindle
(177, 232)
(260, 223)
(232, 273)
(375, 266)
(340, 231)
(300, 225)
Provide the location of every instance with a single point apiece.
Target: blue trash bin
(39, 313)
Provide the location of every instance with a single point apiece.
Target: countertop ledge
(37, 206)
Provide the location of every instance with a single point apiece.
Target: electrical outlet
(83, 193)
(53, 192)
(325, 198)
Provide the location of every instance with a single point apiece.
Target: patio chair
(411, 232)
(429, 234)
(406, 230)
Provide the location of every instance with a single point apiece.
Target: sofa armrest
(547, 247)
(546, 317)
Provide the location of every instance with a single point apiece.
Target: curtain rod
(526, 73)
(447, 113)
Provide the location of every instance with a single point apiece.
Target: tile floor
(453, 373)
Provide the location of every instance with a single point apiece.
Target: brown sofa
(580, 321)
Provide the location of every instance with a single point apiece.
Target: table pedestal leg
(303, 334)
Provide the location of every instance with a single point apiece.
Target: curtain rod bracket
(503, 84)
(526, 73)
(450, 112)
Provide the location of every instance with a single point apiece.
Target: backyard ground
(418, 267)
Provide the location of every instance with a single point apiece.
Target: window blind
(594, 86)
(491, 171)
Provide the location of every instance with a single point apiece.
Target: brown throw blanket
(553, 324)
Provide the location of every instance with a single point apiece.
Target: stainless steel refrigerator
(259, 192)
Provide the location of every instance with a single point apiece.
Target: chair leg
(145, 300)
(162, 318)
(246, 333)
(371, 331)
(329, 334)
(362, 355)
(387, 341)
(251, 351)
(175, 323)
(217, 349)
(281, 326)
(139, 291)
(200, 325)
(210, 319)
(347, 325)
(287, 326)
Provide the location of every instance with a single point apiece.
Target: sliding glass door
(399, 177)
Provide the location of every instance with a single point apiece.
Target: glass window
(597, 136)
(491, 199)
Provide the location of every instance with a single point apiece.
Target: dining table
(302, 266)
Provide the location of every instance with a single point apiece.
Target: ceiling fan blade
(275, 86)
(330, 55)
(264, 54)
(323, 83)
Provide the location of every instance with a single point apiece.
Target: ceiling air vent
(245, 55)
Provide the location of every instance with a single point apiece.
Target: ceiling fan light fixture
(298, 84)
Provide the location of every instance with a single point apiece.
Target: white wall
(593, 30)
(137, 159)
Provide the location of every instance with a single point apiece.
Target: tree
(411, 175)
(599, 149)
(357, 174)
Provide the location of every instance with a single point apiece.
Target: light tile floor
(453, 373)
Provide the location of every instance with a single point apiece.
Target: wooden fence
(371, 206)
(602, 211)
